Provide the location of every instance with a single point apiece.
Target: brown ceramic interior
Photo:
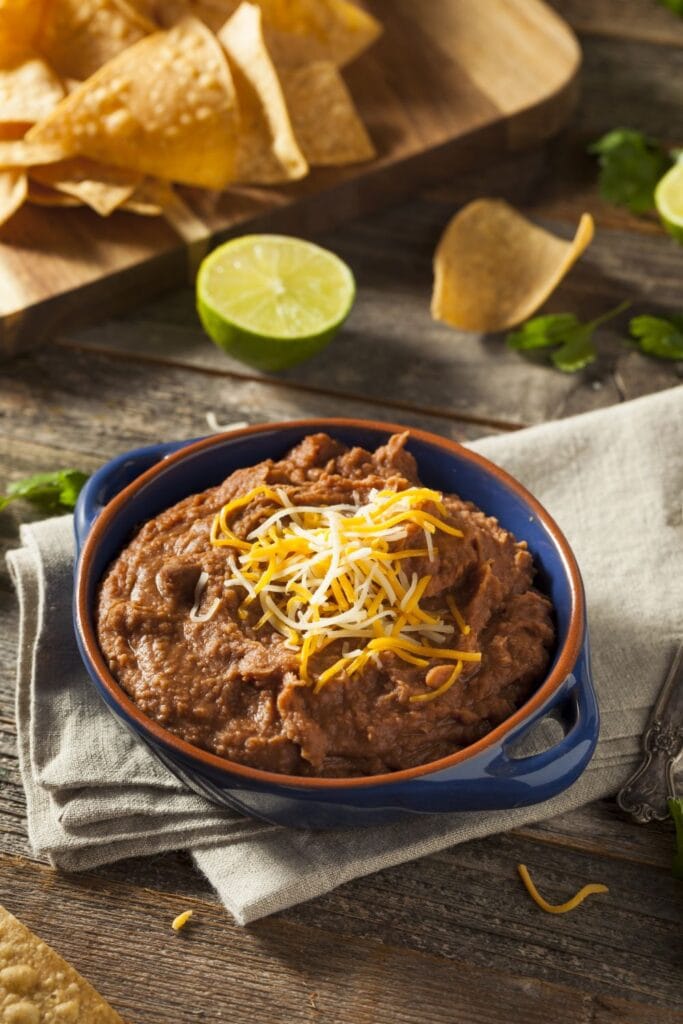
(564, 664)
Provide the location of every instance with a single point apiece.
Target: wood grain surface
(452, 938)
(448, 85)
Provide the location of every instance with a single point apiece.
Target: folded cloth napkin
(614, 481)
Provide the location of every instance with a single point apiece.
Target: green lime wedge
(669, 200)
(272, 300)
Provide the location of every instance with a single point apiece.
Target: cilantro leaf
(674, 5)
(50, 492)
(631, 164)
(571, 341)
(657, 336)
(577, 351)
(676, 812)
(543, 331)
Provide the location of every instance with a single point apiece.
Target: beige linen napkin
(614, 481)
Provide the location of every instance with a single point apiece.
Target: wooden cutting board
(451, 84)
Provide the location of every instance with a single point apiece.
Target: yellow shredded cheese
(337, 572)
(181, 920)
(455, 612)
(559, 908)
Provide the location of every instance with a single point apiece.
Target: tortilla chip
(213, 13)
(101, 188)
(142, 207)
(27, 153)
(41, 195)
(300, 31)
(12, 131)
(39, 985)
(19, 21)
(296, 31)
(183, 219)
(139, 203)
(267, 151)
(28, 90)
(154, 197)
(166, 13)
(71, 84)
(155, 191)
(13, 189)
(77, 37)
(150, 197)
(166, 107)
(150, 9)
(493, 268)
(326, 122)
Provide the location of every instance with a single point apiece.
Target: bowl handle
(111, 478)
(497, 779)
(551, 771)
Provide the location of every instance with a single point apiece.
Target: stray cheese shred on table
(559, 908)
(181, 920)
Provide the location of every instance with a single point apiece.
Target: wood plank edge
(214, 371)
(582, 846)
(618, 32)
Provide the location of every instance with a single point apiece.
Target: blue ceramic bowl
(486, 775)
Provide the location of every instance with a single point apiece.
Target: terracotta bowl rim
(563, 667)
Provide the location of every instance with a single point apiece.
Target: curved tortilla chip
(29, 90)
(78, 36)
(13, 189)
(166, 107)
(493, 268)
(325, 119)
(267, 149)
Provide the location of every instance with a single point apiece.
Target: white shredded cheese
(430, 545)
(326, 573)
(198, 594)
(220, 428)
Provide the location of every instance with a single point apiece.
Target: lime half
(669, 200)
(272, 300)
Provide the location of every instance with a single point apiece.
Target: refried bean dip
(326, 615)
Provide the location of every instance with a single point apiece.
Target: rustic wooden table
(452, 937)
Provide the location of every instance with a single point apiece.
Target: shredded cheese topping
(326, 573)
(559, 908)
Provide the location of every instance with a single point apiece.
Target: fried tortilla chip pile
(107, 103)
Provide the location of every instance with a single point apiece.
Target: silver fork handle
(645, 794)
